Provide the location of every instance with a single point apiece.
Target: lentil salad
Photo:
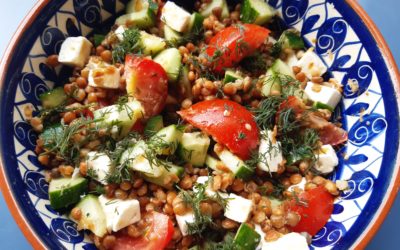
(203, 130)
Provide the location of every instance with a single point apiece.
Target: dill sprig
(130, 44)
(115, 150)
(51, 116)
(194, 199)
(62, 141)
(265, 114)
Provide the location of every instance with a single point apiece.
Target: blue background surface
(384, 13)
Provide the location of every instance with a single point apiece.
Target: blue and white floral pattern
(338, 37)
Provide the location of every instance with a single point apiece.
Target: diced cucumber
(93, 217)
(231, 76)
(256, 11)
(172, 36)
(52, 135)
(168, 177)
(122, 116)
(154, 124)
(138, 5)
(196, 23)
(170, 60)
(151, 44)
(64, 192)
(136, 160)
(185, 83)
(213, 163)
(53, 98)
(246, 238)
(193, 148)
(320, 105)
(271, 83)
(207, 11)
(168, 139)
(291, 39)
(142, 19)
(235, 164)
(280, 67)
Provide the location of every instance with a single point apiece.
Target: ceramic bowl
(342, 34)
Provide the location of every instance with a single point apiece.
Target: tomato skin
(227, 122)
(235, 43)
(138, 127)
(315, 212)
(147, 81)
(157, 238)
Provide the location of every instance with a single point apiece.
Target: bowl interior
(343, 41)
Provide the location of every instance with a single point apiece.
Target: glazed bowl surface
(341, 34)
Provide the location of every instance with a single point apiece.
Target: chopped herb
(194, 199)
(265, 114)
(98, 39)
(241, 136)
(130, 44)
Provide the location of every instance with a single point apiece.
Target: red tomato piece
(147, 81)
(157, 238)
(315, 207)
(227, 122)
(232, 44)
(138, 127)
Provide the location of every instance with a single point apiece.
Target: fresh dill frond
(63, 144)
(265, 114)
(194, 199)
(130, 44)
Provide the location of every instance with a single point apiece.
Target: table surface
(385, 16)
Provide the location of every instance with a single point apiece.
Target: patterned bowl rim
(360, 243)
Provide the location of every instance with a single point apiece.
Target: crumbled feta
(311, 64)
(102, 74)
(119, 213)
(270, 149)
(75, 51)
(291, 241)
(175, 17)
(100, 165)
(238, 208)
(323, 94)
(183, 221)
(119, 32)
(327, 159)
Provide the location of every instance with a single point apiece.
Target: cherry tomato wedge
(232, 44)
(157, 237)
(147, 81)
(315, 207)
(227, 122)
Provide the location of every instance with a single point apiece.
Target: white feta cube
(312, 65)
(327, 159)
(175, 17)
(271, 153)
(102, 74)
(119, 32)
(100, 164)
(76, 173)
(291, 241)
(183, 221)
(119, 213)
(323, 94)
(300, 185)
(75, 51)
(238, 208)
